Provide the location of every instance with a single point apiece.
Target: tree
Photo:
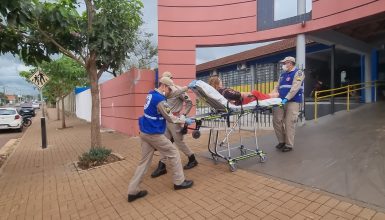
(64, 75)
(99, 40)
(145, 53)
(14, 34)
(3, 98)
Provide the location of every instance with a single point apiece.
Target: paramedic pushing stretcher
(175, 100)
(290, 89)
(152, 127)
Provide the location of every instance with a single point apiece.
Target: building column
(301, 52)
(362, 62)
(301, 41)
(252, 72)
(374, 61)
(368, 78)
(332, 76)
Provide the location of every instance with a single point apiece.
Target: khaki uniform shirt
(165, 110)
(177, 98)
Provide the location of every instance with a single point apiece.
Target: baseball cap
(167, 81)
(291, 59)
(167, 74)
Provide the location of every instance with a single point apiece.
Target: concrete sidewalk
(44, 184)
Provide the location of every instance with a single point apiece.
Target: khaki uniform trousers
(284, 122)
(173, 131)
(165, 147)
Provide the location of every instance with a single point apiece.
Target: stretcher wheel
(243, 150)
(215, 158)
(233, 166)
(262, 156)
(196, 134)
(262, 159)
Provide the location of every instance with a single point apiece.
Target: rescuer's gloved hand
(192, 84)
(189, 121)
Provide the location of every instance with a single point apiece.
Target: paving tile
(323, 210)
(312, 207)
(343, 206)
(367, 213)
(379, 216)
(342, 214)
(354, 210)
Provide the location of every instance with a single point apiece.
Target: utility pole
(42, 103)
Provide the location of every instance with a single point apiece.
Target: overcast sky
(14, 84)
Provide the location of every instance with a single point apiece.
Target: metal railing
(348, 89)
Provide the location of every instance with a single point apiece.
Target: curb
(8, 150)
(7, 145)
(10, 143)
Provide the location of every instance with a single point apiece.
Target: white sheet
(215, 99)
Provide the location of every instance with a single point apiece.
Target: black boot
(185, 185)
(286, 149)
(160, 170)
(192, 162)
(134, 197)
(280, 146)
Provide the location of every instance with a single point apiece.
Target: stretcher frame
(222, 149)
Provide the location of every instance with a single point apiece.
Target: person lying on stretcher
(238, 98)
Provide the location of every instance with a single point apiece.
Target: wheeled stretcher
(222, 109)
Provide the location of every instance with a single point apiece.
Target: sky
(12, 83)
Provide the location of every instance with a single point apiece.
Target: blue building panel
(81, 89)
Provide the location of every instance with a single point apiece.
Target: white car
(10, 119)
(35, 105)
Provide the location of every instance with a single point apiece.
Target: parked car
(10, 119)
(35, 105)
(27, 111)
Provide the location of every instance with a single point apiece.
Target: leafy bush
(95, 157)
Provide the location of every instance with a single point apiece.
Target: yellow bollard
(375, 91)
(348, 99)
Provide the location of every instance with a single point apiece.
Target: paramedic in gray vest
(175, 100)
(152, 127)
(290, 89)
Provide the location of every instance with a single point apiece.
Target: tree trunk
(58, 109)
(63, 121)
(96, 140)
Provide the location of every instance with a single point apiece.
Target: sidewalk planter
(96, 157)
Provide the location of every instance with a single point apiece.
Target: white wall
(83, 105)
(69, 103)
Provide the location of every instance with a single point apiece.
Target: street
(6, 135)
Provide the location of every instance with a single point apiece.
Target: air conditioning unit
(241, 66)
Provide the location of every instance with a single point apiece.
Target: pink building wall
(122, 100)
(184, 25)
